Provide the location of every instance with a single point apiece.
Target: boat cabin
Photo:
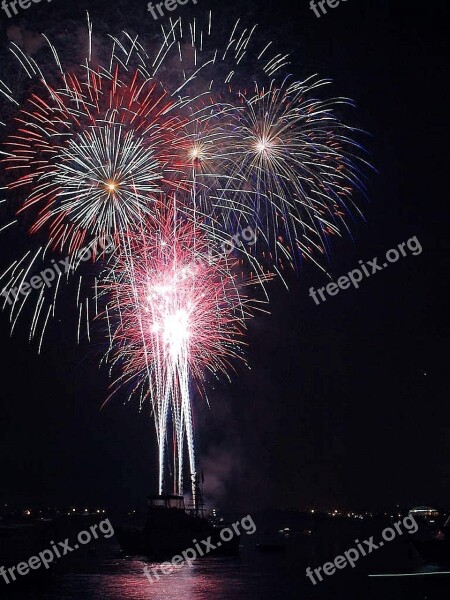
(168, 502)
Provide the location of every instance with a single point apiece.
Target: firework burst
(92, 155)
(175, 313)
(169, 157)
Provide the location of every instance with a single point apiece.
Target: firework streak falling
(127, 146)
(176, 314)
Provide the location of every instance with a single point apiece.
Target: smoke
(219, 448)
(221, 466)
(27, 40)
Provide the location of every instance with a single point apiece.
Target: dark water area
(251, 577)
(394, 572)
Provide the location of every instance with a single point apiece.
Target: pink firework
(175, 312)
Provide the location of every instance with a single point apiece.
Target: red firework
(96, 153)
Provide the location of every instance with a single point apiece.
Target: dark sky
(345, 403)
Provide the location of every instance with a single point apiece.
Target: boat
(432, 539)
(170, 529)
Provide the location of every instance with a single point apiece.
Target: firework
(94, 151)
(175, 313)
(169, 156)
(280, 160)
(295, 164)
(92, 156)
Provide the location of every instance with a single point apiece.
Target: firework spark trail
(300, 161)
(98, 163)
(177, 317)
(288, 165)
(98, 149)
(95, 152)
(170, 155)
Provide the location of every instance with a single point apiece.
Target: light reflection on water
(212, 579)
(117, 578)
(207, 579)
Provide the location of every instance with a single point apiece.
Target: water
(109, 576)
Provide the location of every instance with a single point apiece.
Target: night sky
(345, 403)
